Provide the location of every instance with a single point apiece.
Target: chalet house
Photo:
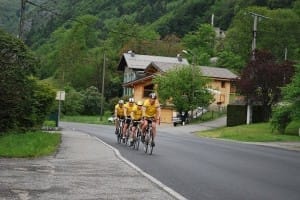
(139, 71)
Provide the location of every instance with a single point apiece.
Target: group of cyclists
(138, 114)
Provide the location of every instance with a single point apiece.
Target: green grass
(208, 116)
(86, 119)
(32, 144)
(261, 132)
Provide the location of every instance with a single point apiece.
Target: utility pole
(256, 18)
(102, 89)
(22, 15)
(285, 53)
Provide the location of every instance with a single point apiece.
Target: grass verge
(31, 144)
(86, 119)
(261, 132)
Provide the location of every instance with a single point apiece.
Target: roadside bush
(24, 101)
(282, 116)
(73, 104)
(91, 101)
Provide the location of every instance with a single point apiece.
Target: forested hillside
(73, 37)
(10, 14)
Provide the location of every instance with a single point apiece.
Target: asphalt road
(200, 168)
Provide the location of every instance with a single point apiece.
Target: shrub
(282, 116)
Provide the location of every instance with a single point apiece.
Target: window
(223, 84)
(148, 89)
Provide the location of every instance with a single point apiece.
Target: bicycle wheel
(137, 141)
(146, 143)
(151, 146)
(119, 136)
(145, 147)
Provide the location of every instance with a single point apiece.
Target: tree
(91, 101)
(291, 93)
(201, 43)
(229, 60)
(262, 78)
(185, 87)
(73, 104)
(289, 109)
(274, 34)
(24, 102)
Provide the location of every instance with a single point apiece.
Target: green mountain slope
(164, 16)
(10, 14)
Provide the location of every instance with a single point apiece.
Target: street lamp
(188, 52)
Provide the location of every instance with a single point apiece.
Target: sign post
(60, 96)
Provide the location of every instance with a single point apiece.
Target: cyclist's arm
(116, 112)
(143, 112)
(158, 112)
(132, 115)
(125, 112)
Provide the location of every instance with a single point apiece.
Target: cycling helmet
(121, 101)
(131, 100)
(139, 103)
(152, 96)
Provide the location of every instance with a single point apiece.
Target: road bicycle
(119, 132)
(128, 133)
(137, 135)
(148, 144)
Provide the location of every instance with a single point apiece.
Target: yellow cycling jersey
(129, 108)
(150, 110)
(120, 110)
(137, 113)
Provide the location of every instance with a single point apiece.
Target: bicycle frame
(137, 135)
(120, 130)
(149, 137)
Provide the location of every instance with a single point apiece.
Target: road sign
(60, 95)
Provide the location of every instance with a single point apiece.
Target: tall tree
(185, 87)
(66, 53)
(200, 43)
(227, 59)
(262, 78)
(24, 102)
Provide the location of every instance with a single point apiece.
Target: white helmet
(121, 101)
(131, 100)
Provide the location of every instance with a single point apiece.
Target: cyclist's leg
(144, 126)
(125, 129)
(117, 125)
(129, 133)
(153, 132)
(134, 129)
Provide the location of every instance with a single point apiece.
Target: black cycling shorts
(128, 120)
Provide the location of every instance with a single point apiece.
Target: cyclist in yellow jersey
(136, 116)
(151, 110)
(129, 106)
(119, 113)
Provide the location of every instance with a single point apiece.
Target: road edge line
(148, 176)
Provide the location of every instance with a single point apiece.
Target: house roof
(217, 72)
(211, 72)
(162, 66)
(140, 62)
